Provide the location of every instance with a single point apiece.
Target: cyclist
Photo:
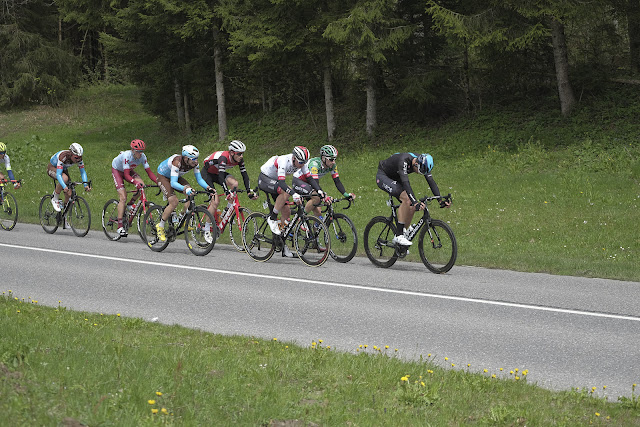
(57, 169)
(272, 181)
(4, 157)
(215, 171)
(170, 178)
(393, 177)
(123, 168)
(319, 167)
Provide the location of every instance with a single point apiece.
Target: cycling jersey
(278, 167)
(169, 169)
(316, 170)
(126, 162)
(62, 160)
(218, 163)
(397, 168)
(7, 165)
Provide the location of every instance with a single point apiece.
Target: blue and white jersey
(168, 169)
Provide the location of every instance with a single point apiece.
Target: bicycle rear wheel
(151, 219)
(8, 212)
(110, 220)
(194, 231)
(257, 238)
(235, 228)
(378, 235)
(311, 240)
(79, 217)
(344, 238)
(439, 249)
(49, 217)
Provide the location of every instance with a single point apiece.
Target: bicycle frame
(141, 203)
(179, 229)
(222, 221)
(72, 198)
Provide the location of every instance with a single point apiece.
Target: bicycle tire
(151, 218)
(235, 228)
(377, 242)
(140, 220)
(194, 231)
(342, 231)
(257, 238)
(79, 217)
(49, 217)
(440, 250)
(110, 220)
(8, 212)
(312, 241)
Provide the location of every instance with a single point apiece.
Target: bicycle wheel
(378, 235)
(344, 243)
(151, 218)
(311, 240)
(235, 228)
(140, 220)
(439, 250)
(195, 226)
(79, 217)
(8, 212)
(49, 217)
(110, 220)
(257, 238)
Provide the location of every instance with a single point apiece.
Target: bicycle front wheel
(196, 226)
(344, 243)
(8, 212)
(49, 217)
(439, 249)
(311, 240)
(79, 217)
(140, 220)
(149, 230)
(257, 239)
(235, 228)
(110, 220)
(378, 235)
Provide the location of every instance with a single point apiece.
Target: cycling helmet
(3, 147)
(237, 146)
(76, 149)
(329, 151)
(301, 154)
(191, 152)
(425, 163)
(138, 145)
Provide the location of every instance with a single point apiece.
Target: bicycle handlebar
(15, 181)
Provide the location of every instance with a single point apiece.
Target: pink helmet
(138, 144)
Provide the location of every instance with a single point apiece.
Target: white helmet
(237, 146)
(301, 153)
(191, 152)
(76, 149)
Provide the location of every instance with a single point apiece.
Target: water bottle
(174, 218)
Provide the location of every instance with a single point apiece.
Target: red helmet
(138, 144)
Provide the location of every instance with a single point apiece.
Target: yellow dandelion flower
(275, 339)
(320, 341)
(154, 411)
(604, 387)
(386, 347)
(328, 347)
(404, 379)
(158, 393)
(468, 365)
(429, 355)
(593, 389)
(516, 369)
(396, 349)
(501, 369)
(366, 345)
(453, 365)
(118, 314)
(18, 311)
(164, 411)
(360, 346)
(151, 402)
(493, 375)
(597, 414)
(485, 371)
(517, 377)
(422, 383)
(446, 358)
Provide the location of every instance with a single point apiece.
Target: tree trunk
(177, 91)
(371, 99)
(565, 91)
(60, 31)
(328, 101)
(217, 61)
(466, 85)
(633, 22)
(187, 118)
(264, 96)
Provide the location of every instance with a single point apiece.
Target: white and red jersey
(278, 167)
(219, 161)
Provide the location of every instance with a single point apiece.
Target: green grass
(531, 192)
(59, 366)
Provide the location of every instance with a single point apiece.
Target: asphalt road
(566, 331)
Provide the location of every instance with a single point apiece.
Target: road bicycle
(192, 223)
(229, 214)
(75, 213)
(132, 214)
(438, 250)
(9, 210)
(344, 243)
(308, 233)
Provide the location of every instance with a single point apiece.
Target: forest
(420, 61)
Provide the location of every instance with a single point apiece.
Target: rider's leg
(405, 213)
(122, 194)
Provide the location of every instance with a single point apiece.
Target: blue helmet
(425, 163)
(190, 152)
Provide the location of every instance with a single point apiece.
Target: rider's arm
(432, 184)
(245, 176)
(7, 164)
(222, 173)
(83, 174)
(127, 175)
(315, 184)
(201, 181)
(175, 174)
(340, 187)
(152, 176)
(282, 173)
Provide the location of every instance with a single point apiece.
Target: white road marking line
(341, 285)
